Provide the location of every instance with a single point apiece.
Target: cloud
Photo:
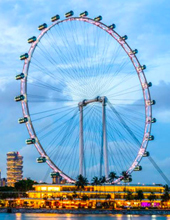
(145, 22)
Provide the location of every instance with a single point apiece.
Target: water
(45, 216)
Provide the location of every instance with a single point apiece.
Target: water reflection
(46, 216)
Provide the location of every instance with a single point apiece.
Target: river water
(45, 216)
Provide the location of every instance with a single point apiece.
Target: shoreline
(86, 211)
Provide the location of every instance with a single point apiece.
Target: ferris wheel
(85, 99)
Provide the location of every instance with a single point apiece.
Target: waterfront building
(104, 196)
(14, 168)
(3, 181)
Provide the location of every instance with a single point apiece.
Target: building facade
(61, 196)
(14, 168)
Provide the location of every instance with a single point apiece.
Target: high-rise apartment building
(14, 168)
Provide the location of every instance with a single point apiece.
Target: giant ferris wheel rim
(141, 76)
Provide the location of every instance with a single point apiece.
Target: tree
(81, 182)
(152, 196)
(129, 196)
(24, 185)
(112, 177)
(139, 195)
(96, 181)
(166, 196)
(102, 180)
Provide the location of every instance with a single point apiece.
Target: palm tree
(81, 182)
(129, 196)
(125, 175)
(139, 196)
(96, 181)
(152, 197)
(102, 180)
(112, 177)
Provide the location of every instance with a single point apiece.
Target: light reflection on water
(46, 216)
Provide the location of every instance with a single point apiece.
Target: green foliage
(96, 181)
(152, 196)
(129, 196)
(139, 195)
(102, 179)
(24, 185)
(84, 198)
(112, 177)
(81, 182)
(165, 197)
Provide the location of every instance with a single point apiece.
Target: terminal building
(105, 196)
(14, 168)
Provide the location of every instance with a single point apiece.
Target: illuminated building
(105, 196)
(14, 168)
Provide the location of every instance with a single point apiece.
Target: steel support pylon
(81, 142)
(104, 141)
(104, 150)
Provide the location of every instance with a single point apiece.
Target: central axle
(85, 102)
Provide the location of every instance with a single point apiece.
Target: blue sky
(147, 24)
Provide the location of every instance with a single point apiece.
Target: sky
(147, 24)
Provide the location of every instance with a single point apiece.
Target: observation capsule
(22, 120)
(42, 26)
(146, 154)
(135, 51)
(149, 84)
(151, 102)
(55, 18)
(55, 174)
(99, 18)
(84, 14)
(32, 39)
(19, 98)
(41, 159)
(138, 168)
(30, 141)
(153, 120)
(19, 76)
(112, 26)
(142, 67)
(125, 37)
(127, 180)
(69, 14)
(24, 56)
(150, 138)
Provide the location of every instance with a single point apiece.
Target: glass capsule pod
(19, 98)
(19, 76)
(135, 51)
(84, 14)
(99, 18)
(55, 174)
(24, 56)
(138, 168)
(125, 37)
(146, 154)
(149, 84)
(30, 141)
(22, 120)
(112, 26)
(42, 26)
(151, 102)
(127, 180)
(32, 39)
(55, 18)
(41, 160)
(69, 14)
